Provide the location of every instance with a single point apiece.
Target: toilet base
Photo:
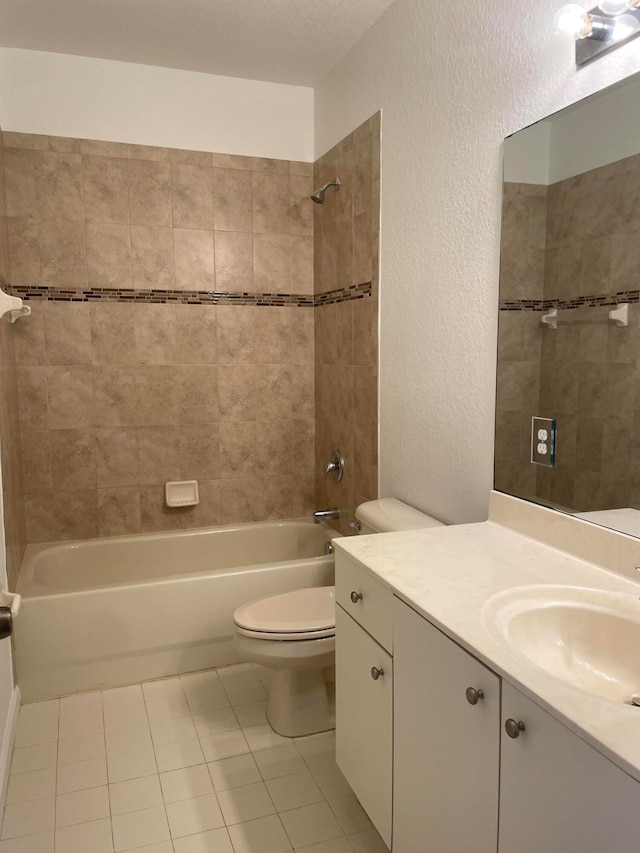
(300, 703)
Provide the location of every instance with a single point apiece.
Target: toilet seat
(304, 614)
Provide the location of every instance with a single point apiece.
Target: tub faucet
(326, 514)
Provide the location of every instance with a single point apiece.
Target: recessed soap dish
(181, 493)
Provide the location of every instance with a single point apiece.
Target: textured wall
(14, 523)
(346, 234)
(100, 99)
(451, 86)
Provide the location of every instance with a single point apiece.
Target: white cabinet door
(364, 719)
(446, 750)
(557, 793)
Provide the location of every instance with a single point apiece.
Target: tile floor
(182, 765)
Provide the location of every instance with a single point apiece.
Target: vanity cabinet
(364, 691)
(446, 742)
(557, 793)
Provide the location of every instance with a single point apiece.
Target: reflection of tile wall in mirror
(567, 240)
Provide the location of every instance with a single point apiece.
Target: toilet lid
(303, 611)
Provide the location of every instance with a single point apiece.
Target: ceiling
(280, 41)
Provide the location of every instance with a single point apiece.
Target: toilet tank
(388, 514)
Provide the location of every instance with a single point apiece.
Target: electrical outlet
(543, 441)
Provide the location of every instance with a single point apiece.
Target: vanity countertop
(451, 574)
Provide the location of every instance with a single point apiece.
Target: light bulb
(571, 19)
(614, 7)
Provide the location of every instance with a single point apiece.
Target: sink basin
(588, 638)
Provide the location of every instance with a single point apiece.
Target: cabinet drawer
(374, 609)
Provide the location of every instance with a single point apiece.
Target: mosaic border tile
(187, 297)
(593, 301)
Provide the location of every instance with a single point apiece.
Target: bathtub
(108, 612)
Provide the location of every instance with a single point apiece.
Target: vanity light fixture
(601, 29)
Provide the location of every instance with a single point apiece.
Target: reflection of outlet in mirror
(543, 441)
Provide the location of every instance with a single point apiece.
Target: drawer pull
(356, 596)
(514, 727)
(473, 695)
(376, 673)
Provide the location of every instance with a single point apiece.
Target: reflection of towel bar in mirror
(618, 315)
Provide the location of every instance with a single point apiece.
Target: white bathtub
(109, 612)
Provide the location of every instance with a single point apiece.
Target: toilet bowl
(293, 634)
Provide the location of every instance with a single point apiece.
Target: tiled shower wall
(586, 373)
(346, 254)
(14, 526)
(117, 397)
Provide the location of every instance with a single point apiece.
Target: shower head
(318, 195)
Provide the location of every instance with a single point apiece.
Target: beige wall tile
(272, 263)
(274, 447)
(28, 337)
(112, 334)
(158, 454)
(302, 335)
(198, 394)
(265, 164)
(115, 396)
(23, 251)
(273, 335)
(237, 449)
(236, 330)
(150, 193)
(274, 396)
(148, 152)
(154, 513)
(73, 459)
(302, 391)
(36, 460)
(20, 183)
(32, 397)
(231, 161)
(59, 185)
(232, 206)
(270, 194)
(362, 249)
(63, 255)
(298, 167)
(105, 189)
(303, 437)
(158, 396)
(61, 144)
(119, 511)
(303, 497)
(17, 140)
(152, 257)
(191, 196)
(66, 515)
(234, 261)
(302, 265)
(117, 457)
(69, 397)
(67, 333)
(239, 499)
(185, 157)
(193, 257)
(277, 497)
(199, 451)
(108, 255)
(301, 206)
(237, 392)
(102, 148)
(155, 333)
(195, 334)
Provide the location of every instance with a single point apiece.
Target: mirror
(569, 315)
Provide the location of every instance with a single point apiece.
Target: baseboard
(7, 744)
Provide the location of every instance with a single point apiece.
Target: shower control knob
(473, 695)
(356, 596)
(376, 673)
(513, 727)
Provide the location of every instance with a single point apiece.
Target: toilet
(293, 634)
